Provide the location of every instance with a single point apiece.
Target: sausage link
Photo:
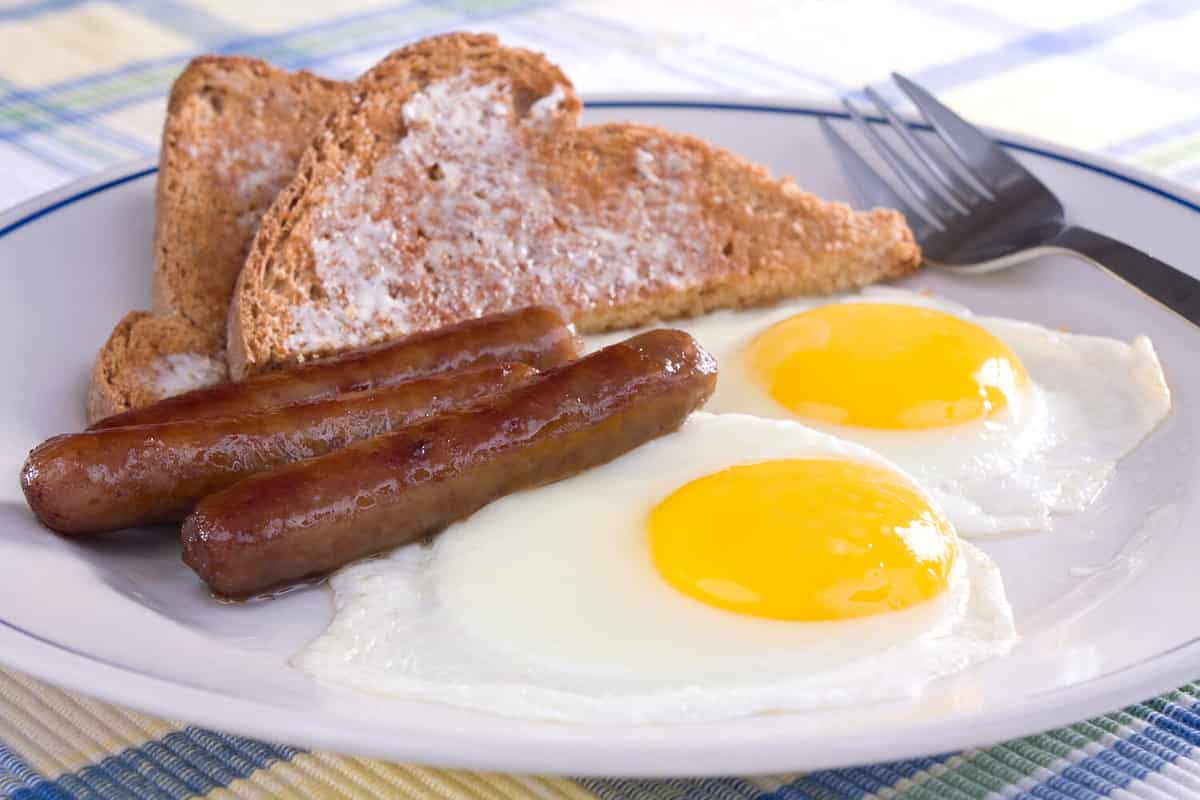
(144, 474)
(309, 518)
(536, 335)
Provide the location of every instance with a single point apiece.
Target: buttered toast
(234, 133)
(455, 182)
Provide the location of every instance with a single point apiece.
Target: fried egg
(1003, 422)
(736, 566)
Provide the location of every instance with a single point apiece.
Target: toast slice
(234, 133)
(455, 182)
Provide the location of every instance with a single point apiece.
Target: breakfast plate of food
(442, 417)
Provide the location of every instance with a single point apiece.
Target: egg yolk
(880, 365)
(802, 539)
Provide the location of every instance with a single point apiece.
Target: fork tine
(910, 177)
(954, 190)
(872, 190)
(982, 157)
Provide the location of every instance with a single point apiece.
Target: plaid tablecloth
(82, 87)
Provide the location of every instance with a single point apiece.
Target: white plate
(122, 619)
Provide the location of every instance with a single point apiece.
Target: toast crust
(454, 182)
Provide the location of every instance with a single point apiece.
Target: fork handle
(1160, 281)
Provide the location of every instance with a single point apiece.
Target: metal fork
(990, 212)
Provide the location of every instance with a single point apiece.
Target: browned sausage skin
(308, 518)
(536, 335)
(115, 478)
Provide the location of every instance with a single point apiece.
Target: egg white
(1052, 450)
(546, 605)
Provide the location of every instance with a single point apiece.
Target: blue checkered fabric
(82, 86)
